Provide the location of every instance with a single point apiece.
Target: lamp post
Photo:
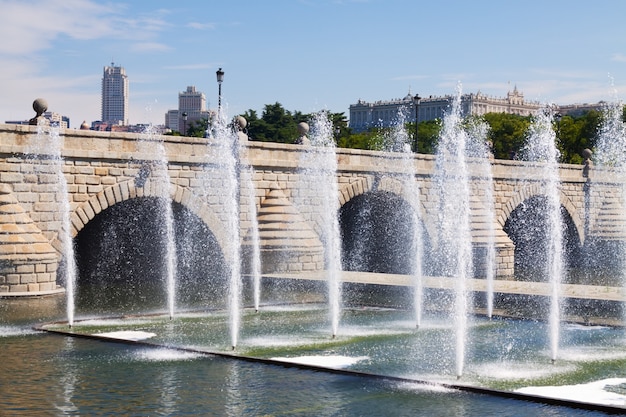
(416, 102)
(220, 79)
(184, 123)
(557, 118)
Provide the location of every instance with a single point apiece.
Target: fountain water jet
(541, 151)
(255, 252)
(455, 240)
(223, 162)
(399, 142)
(158, 170)
(320, 172)
(47, 149)
(478, 149)
(610, 154)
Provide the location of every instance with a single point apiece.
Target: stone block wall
(102, 169)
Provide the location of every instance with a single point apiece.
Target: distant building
(138, 128)
(580, 109)
(57, 119)
(53, 118)
(193, 104)
(115, 95)
(364, 115)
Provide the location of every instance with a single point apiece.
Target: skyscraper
(115, 95)
(191, 100)
(191, 109)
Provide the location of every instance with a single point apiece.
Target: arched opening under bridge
(121, 258)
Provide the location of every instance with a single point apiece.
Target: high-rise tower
(115, 95)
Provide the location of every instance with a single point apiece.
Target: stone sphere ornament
(40, 106)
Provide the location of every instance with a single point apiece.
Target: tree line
(507, 132)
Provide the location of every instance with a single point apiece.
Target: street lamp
(184, 123)
(220, 79)
(416, 101)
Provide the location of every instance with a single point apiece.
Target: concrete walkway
(591, 292)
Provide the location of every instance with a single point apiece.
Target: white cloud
(201, 26)
(149, 47)
(33, 27)
(618, 57)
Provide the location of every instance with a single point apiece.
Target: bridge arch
(536, 190)
(127, 190)
(109, 243)
(526, 226)
(390, 184)
(378, 225)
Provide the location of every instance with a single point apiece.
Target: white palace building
(365, 115)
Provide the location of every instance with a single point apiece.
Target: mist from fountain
(478, 148)
(541, 152)
(610, 154)
(320, 172)
(222, 162)
(398, 141)
(158, 171)
(454, 233)
(610, 149)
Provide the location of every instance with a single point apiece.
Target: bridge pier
(28, 262)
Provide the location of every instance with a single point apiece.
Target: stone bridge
(102, 169)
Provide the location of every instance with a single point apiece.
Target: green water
(44, 374)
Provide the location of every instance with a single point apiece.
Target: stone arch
(394, 185)
(386, 183)
(127, 190)
(346, 192)
(354, 189)
(537, 190)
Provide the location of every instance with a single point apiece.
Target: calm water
(51, 375)
(48, 375)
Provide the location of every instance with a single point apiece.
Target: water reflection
(53, 375)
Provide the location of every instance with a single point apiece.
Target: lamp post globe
(185, 123)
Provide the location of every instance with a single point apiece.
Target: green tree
(507, 133)
(275, 125)
(428, 136)
(198, 128)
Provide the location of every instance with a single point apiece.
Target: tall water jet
(157, 169)
(541, 151)
(610, 154)
(399, 142)
(478, 148)
(47, 149)
(320, 174)
(224, 169)
(454, 234)
(255, 250)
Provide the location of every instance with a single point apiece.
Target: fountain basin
(505, 357)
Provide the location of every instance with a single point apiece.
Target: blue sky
(307, 55)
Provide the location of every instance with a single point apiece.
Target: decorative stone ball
(40, 105)
(586, 153)
(241, 122)
(303, 128)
